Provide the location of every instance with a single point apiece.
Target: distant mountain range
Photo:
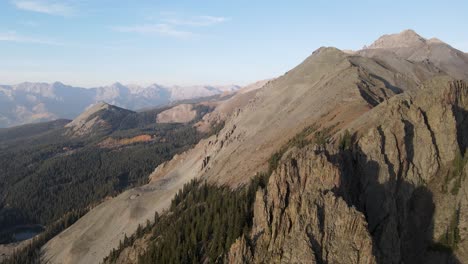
(35, 102)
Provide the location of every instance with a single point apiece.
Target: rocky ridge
(328, 85)
(387, 199)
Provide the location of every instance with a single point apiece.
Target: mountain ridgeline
(350, 157)
(38, 102)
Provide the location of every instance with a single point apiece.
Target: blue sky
(98, 42)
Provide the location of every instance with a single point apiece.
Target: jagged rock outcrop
(396, 197)
(299, 219)
(239, 253)
(404, 162)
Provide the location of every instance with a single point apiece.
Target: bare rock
(182, 113)
(301, 220)
(239, 253)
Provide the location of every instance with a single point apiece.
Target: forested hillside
(45, 173)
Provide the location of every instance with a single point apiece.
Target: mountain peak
(117, 84)
(435, 41)
(90, 111)
(98, 117)
(404, 39)
(324, 49)
(98, 106)
(409, 32)
(57, 83)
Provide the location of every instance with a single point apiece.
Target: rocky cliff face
(300, 220)
(406, 168)
(399, 195)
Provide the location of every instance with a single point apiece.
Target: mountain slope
(182, 113)
(385, 199)
(100, 117)
(30, 130)
(50, 171)
(330, 88)
(324, 94)
(393, 192)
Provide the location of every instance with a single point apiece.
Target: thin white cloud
(199, 21)
(14, 37)
(45, 7)
(160, 28)
(172, 26)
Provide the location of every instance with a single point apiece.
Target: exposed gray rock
(396, 197)
(403, 163)
(301, 220)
